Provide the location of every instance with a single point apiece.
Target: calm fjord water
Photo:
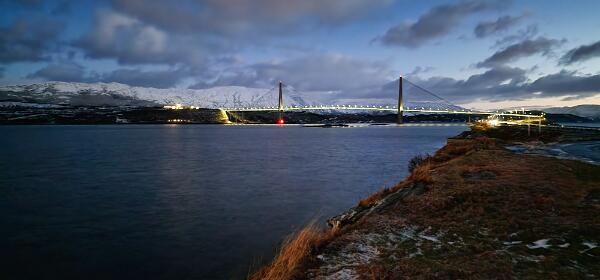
(181, 202)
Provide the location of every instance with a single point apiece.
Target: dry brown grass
(481, 126)
(374, 197)
(528, 198)
(377, 196)
(294, 253)
(422, 173)
(460, 147)
(478, 196)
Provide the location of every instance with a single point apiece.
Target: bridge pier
(400, 101)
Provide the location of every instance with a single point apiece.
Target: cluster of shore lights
(180, 107)
(174, 107)
(178, 121)
(528, 118)
(494, 122)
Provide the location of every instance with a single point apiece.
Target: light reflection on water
(171, 202)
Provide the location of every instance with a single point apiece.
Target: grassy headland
(474, 210)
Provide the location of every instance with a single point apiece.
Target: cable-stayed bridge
(422, 101)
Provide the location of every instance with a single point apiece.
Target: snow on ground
(366, 247)
(27, 105)
(583, 151)
(542, 243)
(217, 97)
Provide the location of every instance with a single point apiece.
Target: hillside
(474, 210)
(589, 111)
(114, 94)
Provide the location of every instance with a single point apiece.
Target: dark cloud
(348, 80)
(581, 53)
(567, 83)
(506, 83)
(529, 32)
(324, 72)
(155, 79)
(28, 39)
(522, 49)
(493, 84)
(420, 70)
(487, 28)
(193, 31)
(131, 41)
(437, 22)
(351, 79)
(494, 77)
(242, 17)
(73, 72)
(2, 72)
(64, 72)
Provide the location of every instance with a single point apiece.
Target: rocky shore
(474, 210)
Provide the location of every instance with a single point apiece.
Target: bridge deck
(378, 108)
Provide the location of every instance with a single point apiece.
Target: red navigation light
(280, 121)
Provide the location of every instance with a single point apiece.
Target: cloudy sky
(479, 53)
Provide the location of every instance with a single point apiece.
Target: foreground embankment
(474, 210)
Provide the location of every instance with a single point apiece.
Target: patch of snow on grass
(407, 233)
(590, 245)
(419, 252)
(542, 243)
(430, 238)
(344, 274)
(342, 264)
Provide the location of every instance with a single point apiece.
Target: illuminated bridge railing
(393, 109)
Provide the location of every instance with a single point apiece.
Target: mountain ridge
(584, 110)
(116, 94)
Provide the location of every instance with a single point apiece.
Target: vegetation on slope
(473, 210)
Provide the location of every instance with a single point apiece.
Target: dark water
(181, 202)
(594, 124)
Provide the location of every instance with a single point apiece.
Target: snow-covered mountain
(588, 110)
(115, 94)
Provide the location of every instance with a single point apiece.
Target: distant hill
(567, 118)
(588, 111)
(115, 94)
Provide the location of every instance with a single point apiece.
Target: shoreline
(474, 209)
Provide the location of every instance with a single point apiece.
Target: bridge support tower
(280, 119)
(400, 101)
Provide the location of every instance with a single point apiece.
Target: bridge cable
(261, 97)
(431, 93)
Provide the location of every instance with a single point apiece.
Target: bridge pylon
(400, 100)
(280, 120)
